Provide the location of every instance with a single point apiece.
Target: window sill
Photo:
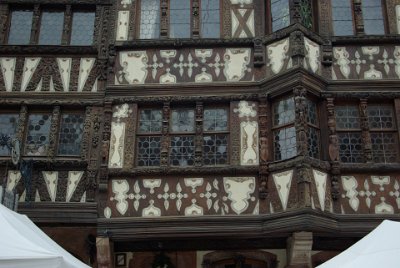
(53, 50)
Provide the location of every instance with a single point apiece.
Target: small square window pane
(20, 28)
(82, 28)
(37, 139)
(182, 120)
(8, 129)
(51, 28)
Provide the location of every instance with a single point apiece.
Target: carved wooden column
(299, 248)
(195, 19)
(198, 158)
(226, 19)
(325, 18)
(23, 117)
(54, 127)
(165, 137)
(397, 114)
(264, 146)
(4, 14)
(164, 21)
(304, 174)
(297, 48)
(333, 148)
(259, 52)
(358, 17)
(67, 25)
(104, 252)
(366, 138)
(35, 25)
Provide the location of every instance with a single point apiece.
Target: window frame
(67, 10)
(56, 146)
(193, 32)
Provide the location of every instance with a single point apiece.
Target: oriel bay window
(57, 26)
(180, 17)
(313, 140)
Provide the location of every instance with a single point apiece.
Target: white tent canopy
(23, 244)
(380, 248)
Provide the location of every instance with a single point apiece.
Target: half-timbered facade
(201, 133)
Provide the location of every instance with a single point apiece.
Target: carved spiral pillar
(333, 148)
(264, 147)
(366, 137)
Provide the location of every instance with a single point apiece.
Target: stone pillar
(299, 247)
(104, 252)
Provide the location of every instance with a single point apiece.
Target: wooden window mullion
(35, 25)
(164, 161)
(198, 151)
(365, 132)
(164, 20)
(67, 26)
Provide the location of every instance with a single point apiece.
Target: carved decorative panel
(278, 57)
(367, 62)
(372, 194)
(48, 74)
(191, 196)
(49, 186)
(186, 65)
(312, 60)
(247, 112)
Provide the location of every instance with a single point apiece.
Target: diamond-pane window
(37, 139)
(82, 28)
(70, 137)
(20, 28)
(51, 28)
(149, 147)
(8, 129)
(182, 151)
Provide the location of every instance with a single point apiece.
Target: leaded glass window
(37, 139)
(8, 129)
(70, 137)
(179, 19)
(384, 137)
(342, 17)
(182, 151)
(149, 141)
(149, 19)
(20, 28)
(82, 28)
(349, 134)
(51, 28)
(182, 120)
(215, 138)
(283, 129)
(373, 17)
(280, 14)
(210, 20)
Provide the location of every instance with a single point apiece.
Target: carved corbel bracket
(297, 48)
(259, 52)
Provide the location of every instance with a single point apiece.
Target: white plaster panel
(116, 156)
(74, 178)
(7, 66)
(241, 2)
(398, 18)
(277, 53)
(350, 185)
(342, 59)
(64, 66)
(86, 66)
(51, 179)
(14, 177)
(122, 26)
(151, 210)
(283, 183)
(239, 190)
(249, 143)
(312, 55)
(236, 63)
(320, 183)
(30, 66)
(134, 66)
(120, 189)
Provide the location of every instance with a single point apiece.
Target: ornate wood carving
(391, 16)
(129, 158)
(234, 135)
(106, 133)
(35, 24)
(54, 128)
(198, 158)
(325, 18)
(4, 12)
(132, 21)
(358, 17)
(333, 149)
(366, 138)
(164, 21)
(60, 2)
(165, 137)
(195, 19)
(226, 19)
(67, 25)
(297, 48)
(264, 147)
(259, 52)
(23, 118)
(301, 120)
